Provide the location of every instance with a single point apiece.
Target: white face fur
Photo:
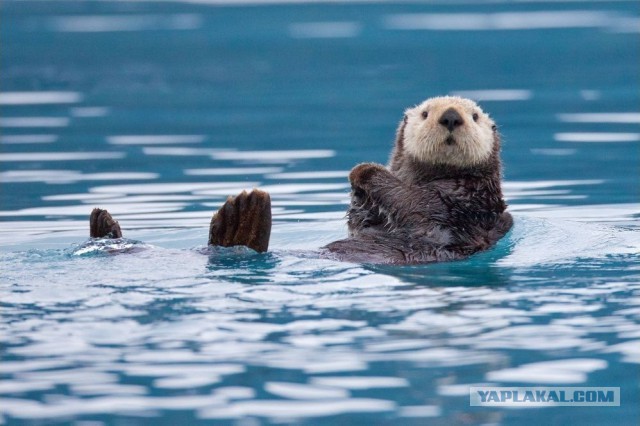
(428, 138)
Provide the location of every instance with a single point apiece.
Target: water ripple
(179, 105)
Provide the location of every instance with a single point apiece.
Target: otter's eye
(494, 127)
(475, 116)
(425, 114)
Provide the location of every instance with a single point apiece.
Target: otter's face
(449, 130)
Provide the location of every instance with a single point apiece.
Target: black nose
(451, 119)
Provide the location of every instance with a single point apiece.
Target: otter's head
(448, 131)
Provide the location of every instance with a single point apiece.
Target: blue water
(159, 110)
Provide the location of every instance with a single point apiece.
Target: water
(158, 111)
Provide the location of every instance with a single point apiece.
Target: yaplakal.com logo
(544, 396)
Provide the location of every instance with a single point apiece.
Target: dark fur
(102, 225)
(244, 220)
(412, 212)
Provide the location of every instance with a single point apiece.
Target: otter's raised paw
(102, 225)
(360, 176)
(244, 220)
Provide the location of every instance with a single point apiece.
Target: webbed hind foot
(102, 225)
(244, 220)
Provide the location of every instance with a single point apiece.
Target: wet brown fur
(244, 220)
(102, 225)
(414, 212)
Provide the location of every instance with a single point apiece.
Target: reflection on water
(9, 122)
(154, 139)
(335, 336)
(59, 156)
(597, 137)
(68, 176)
(16, 139)
(114, 23)
(504, 21)
(495, 95)
(159, 111)
(601, 117)
(36, 98)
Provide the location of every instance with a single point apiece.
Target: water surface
(158, 111)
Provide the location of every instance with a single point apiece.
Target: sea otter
(438, 199)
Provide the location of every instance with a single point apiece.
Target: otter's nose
(451, 119)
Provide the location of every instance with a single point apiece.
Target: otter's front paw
(362, 174)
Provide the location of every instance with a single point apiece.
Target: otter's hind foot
(244, 220)
(102, 225)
